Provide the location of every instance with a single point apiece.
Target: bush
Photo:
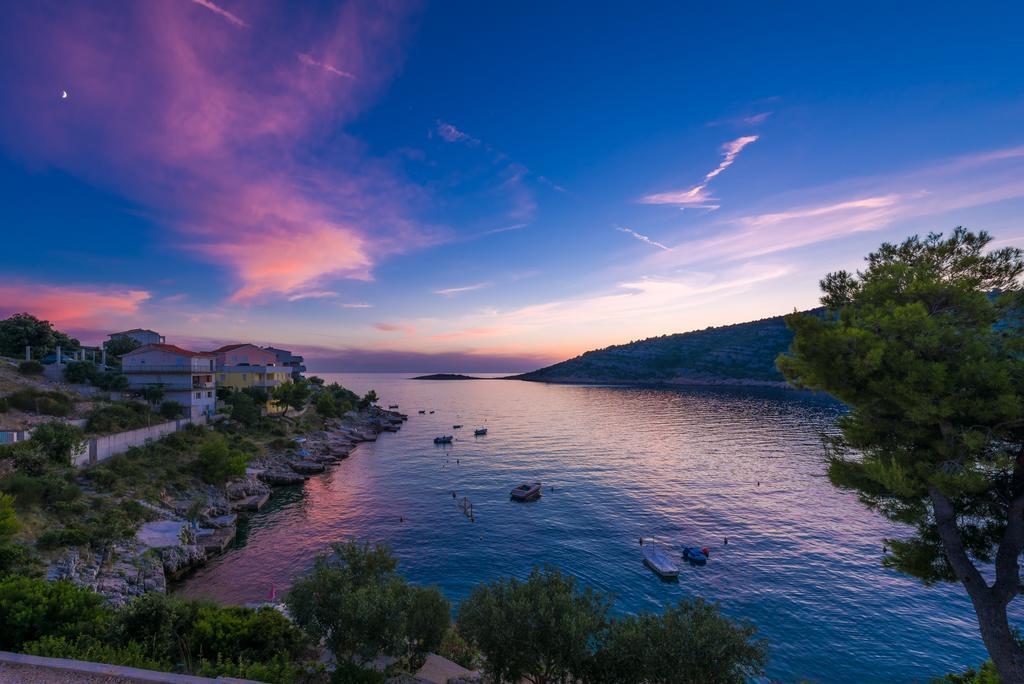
(543, 628)
(58, 441)
(361, 608)
(36, 490)
(47, 403)
(4, 406)
(217, 462)
(30, 368)
(118, 417)
(111, 381)
(244, 408)
(56, 539)
(81, 372)
(171, 409)
(31, 609)
(689, 642)
(9, 524)
(93, 650)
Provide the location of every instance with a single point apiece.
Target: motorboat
(658, 561)
(526, 492)
(694, 555)
(392, 406)
(422, 411)
(443, 439)
(480, 432)
(456, 427)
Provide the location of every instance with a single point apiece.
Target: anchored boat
(526, 492)
(695, 555)
(457, 427)
(658, 561)
(480, 432)
(443, 439)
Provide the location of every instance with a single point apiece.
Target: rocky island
(447, 376)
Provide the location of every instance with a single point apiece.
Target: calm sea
(687, 467)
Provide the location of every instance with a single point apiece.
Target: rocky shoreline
(192, 528)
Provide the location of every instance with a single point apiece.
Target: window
(199, 395)
(209, 395)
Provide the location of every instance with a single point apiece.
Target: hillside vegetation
(740, 354)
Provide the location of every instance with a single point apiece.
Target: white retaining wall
(101, 448)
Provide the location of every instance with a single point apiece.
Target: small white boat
(480, 432)
(443, 439)
(658, 561)
(526, 492)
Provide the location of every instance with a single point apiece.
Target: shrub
(31, 609)
(30, 368)
(217, 462)
(111, 381)
(58, 441)
(9, 524)
(81, 372)
(4, 406)
(236, 632)
(68, 536)
(47, 403)
(543, 629)
(43, 489)
(93, 650)
(362, 608)
(118, 417)
(244, 408)
(689, 642)
(171, 409)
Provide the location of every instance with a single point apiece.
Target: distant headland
(447, 376)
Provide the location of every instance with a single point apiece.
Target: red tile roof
(169, 348)
(229, 347)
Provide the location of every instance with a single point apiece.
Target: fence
(101, 448)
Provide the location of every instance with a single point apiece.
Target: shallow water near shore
(684, 466)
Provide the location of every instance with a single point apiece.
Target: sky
(467, 186)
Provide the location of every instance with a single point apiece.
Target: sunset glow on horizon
(459, 186)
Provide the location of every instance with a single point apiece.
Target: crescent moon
(63, 94)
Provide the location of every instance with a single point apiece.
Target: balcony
(165, 370)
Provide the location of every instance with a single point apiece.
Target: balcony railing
(163, 370)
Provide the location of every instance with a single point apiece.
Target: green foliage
(217, 462)
(315, 381)
(111, 381)
(542, 629)
(455, 648)
(119, 346)
(89, 648)
(368, 400)
(986, 674)
(325, 405)
(689, 642)
(244, 409)
(153, 394)
(58, 441)
(924, 345)
(9, 524)
(21, 330)
(361, 608)
(31, 609)
(345, 400)
(171, 409)
(118, 417)
(279, 670)
(30, 368)
(259, 395)
(48, 403)
(81, 372)
(291, 395)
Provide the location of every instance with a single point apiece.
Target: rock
(306, 467)
(177, 560)
(278, 478)
(247, 487)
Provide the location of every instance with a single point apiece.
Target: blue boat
(694, 555)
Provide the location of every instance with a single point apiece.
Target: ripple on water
(682, 466)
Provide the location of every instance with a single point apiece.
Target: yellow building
(246, 365)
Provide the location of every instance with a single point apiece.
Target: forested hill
(740, 354)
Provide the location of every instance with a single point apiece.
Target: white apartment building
(186, 377)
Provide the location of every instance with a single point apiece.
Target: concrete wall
(101, 448)
(20, 668)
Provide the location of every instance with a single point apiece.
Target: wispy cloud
(641, 237)
(698, 196)
(222, 12)
(505, 229)
(741, 121)
(309, 61)
(449, 291)
(356, 305)
(406, 328)
(449, 133)
(869, 204)
(312, 294)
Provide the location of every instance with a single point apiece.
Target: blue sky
(485, 185)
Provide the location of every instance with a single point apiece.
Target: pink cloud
(395, 327)
(72, 307)
(207, 128)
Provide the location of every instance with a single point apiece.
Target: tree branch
(1007, 583)
(945, 522)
